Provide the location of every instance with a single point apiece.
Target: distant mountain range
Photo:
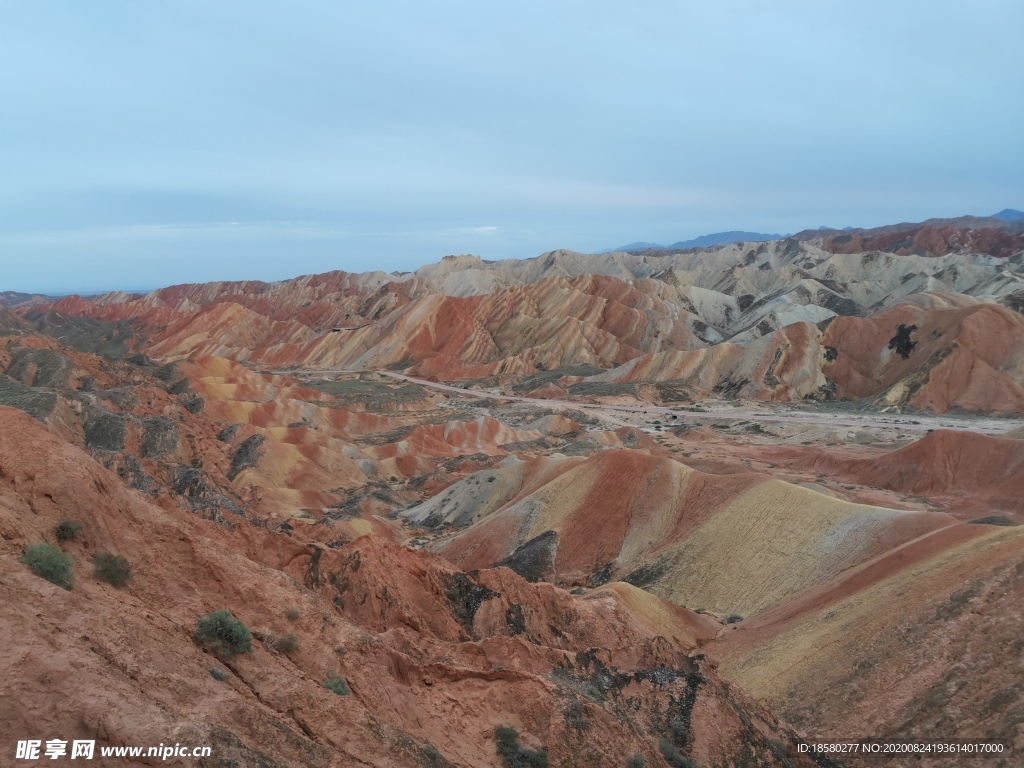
(724, 238)
(1009, 214)
(704, 241)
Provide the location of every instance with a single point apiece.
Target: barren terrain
(691, 508)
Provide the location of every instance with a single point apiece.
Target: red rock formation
(435, 659)
(933, 359)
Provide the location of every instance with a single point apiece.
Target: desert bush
(337, 684)
(293, 614)
(112, 569)
(266, 636)
(286, 643)
(636, 761)
(733, 618)
(67, 530)
(216, 674)
(673, 756)
(48, 562)
(223, 634)
(513, 754)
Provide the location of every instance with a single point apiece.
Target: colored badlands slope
(924, 643)
(735, 543)
(978, 475)
(784, 320)
(434, 658)
(212, 436)
(856, 619)
(229, 488)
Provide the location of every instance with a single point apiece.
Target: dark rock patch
(86, 334)
(769, 378)
(36, 403)
(247, 455)
(645, 575)
(167, 372)
(602, 575)
(536, 558)
(40, 368)
(227, 434)
(730, 388)
(466, 597)
(180, 387)
(122, 397)
(993, 520)
(901, 343)
(515, 620)
(193, 403)
(201, 495)
(132, 473)
(159, 437)
(603, 388)
(106, 431)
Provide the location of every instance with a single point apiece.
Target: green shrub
(50, 563)
(112, 569)
(216, 674)
(286, 643)
(637, 760)
(733, 618)
(223, 634)
(293, 614)
(337, 684)
(673, 756)
(67, 530)
(513, 754)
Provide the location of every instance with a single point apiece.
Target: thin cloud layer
(147, 144)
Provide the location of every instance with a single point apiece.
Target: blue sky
(145, 144)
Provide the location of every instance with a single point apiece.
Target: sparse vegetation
(513, 754)
(337, 684)
(673, 756)
(433, 755)
(266, 636)
(112, 569)
(636, 761)
(223, 634)
(287, 643)
(67, 530)
(216, 674)
(48, 562)
(733, 618)
(293, 614)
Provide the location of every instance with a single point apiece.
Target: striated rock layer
(780, 321)
(435, 659)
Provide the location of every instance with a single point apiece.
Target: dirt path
(924, 423)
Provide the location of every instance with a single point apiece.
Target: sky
(145, 144)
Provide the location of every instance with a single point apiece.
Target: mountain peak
(1009, 214)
